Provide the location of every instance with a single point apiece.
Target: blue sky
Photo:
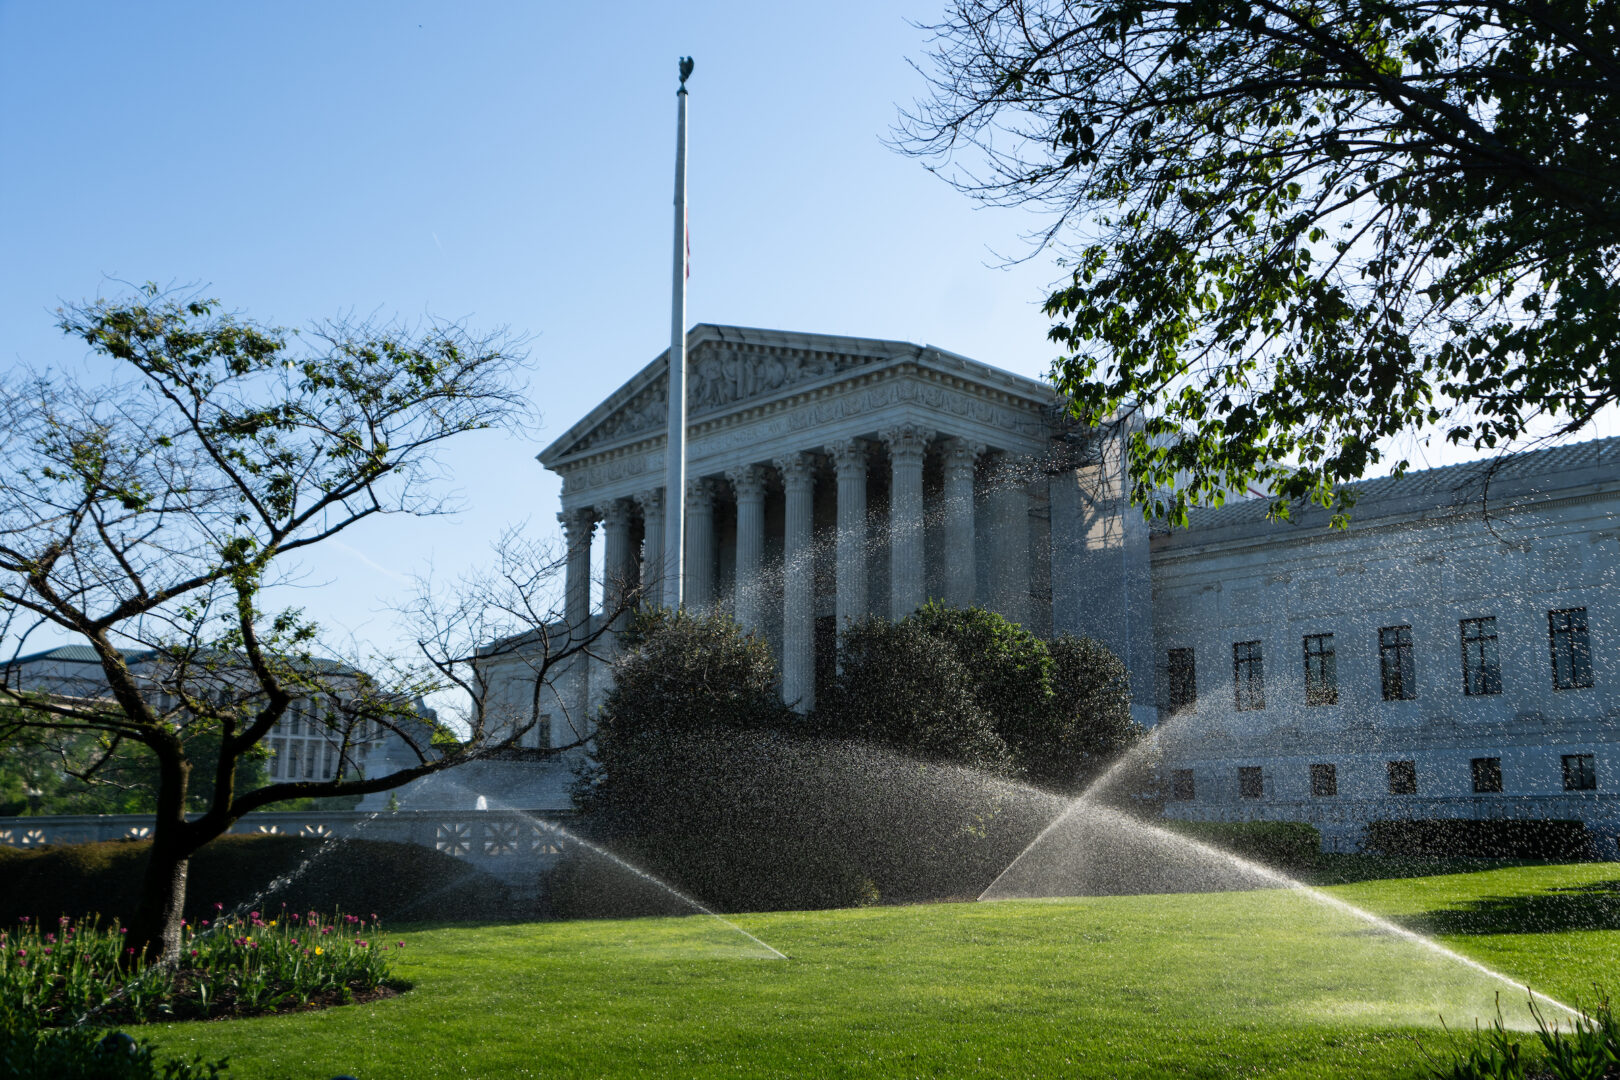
(509, 164)
(506, 163)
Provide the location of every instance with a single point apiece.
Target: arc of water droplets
(644, 875)
(1284, 881)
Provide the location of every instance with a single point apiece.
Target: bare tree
(148, 506)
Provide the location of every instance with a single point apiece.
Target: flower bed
(229, 966)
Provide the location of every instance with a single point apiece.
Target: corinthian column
(798, 584)
(907, 442)
(578, 529)
(1009, 511)
(699, 592)
(619, 567)
(747, 603)
(961, 582)
(849, 455)
(652, 547)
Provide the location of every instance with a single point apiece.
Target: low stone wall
(510, 844)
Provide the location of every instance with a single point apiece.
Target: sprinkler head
(116, 1043)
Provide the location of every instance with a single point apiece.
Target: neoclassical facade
(830, 478)
(1454, 653)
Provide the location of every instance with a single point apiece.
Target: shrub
(29, 1052)
(903, 687)
(1586, 1048)
(1090, 721)
(397, 881)
(1282, 844)
(1440, 838)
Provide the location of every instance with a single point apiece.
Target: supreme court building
(1454, 653)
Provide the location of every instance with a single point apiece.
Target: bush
(900, 686)
(1285, 845)
(1440, 838)
(396, 881)
(1091, 723)
(28, 1052)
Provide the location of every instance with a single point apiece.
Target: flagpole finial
(686, 70)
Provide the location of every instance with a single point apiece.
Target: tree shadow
(1593, 906)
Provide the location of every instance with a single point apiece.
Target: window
(1251, 782)
(1403, 778)
(1182, 785)
(1571, 649)
(1487, 775)
(541, 735)
(1482, 674)
(1248, 676)
(1321, 671)
(1324, 780)
(1181, 680)
(1580, 772)
(1395, 663)
(278, 760)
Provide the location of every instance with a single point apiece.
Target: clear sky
(510, 164)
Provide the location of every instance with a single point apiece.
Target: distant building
(301, 746)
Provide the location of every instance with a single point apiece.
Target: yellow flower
(319, 951)
(272, 922)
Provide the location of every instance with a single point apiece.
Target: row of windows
(1580, 774)
(1567, 638)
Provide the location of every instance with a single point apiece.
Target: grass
(1239, 984)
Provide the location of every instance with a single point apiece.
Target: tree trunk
(155, 930)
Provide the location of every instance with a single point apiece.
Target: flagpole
(675, 452)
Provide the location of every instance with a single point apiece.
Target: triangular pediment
(728, 367)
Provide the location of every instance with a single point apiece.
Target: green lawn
(1233, 984)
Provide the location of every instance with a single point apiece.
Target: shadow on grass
(1593, 906)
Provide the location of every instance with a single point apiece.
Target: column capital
(748, 482)
(699, 492)
(617, 514)
(796, 469)
(963, 452)
(651, 502)
(848, 454)
(907, 440)
(578, 522)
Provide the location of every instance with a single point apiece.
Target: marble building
(1451, 654)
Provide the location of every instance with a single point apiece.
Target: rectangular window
(294, 747)
(541, 734)
(1182, 785)
(1248, 676)
(1251, 782)
(1580, 772)
(1324, 780)
(1571, 649)
(1487, 775)
(1482, 673)
(1395, 663)
(311, 754)
(1403, 778)
(1321, 670)
(1181, 680)
(278, 759)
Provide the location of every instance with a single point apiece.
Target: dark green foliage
(34, 777)
(28, 1052)
(399, 882)
(1285, 845)
(1298, 230)
(1091, 721)
(902, 687)
(1585, 1047)
(1441, 838)
(704, 778)
(967, 686)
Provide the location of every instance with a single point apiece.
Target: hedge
(400, 882)
(1470, 838)
(1281, 844)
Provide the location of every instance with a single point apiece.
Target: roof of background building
(1530, 473)
(73, 654)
